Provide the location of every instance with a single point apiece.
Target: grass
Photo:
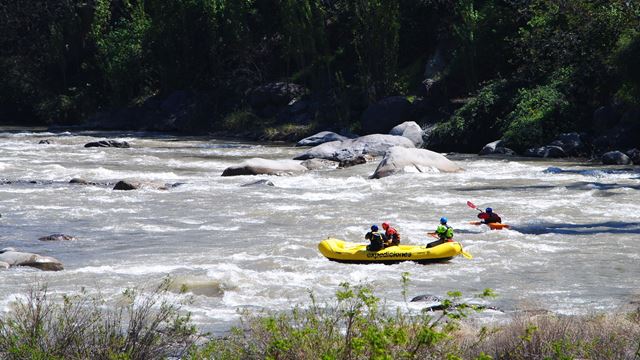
(355, 324)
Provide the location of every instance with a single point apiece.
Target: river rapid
(574, 247)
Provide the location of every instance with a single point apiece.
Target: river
(574, 246)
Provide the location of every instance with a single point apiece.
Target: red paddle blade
(471, 205)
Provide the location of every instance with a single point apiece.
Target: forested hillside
(472, 71)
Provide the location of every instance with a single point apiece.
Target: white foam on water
(145, 269)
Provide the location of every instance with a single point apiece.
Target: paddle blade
(472, 205)
(467, 255)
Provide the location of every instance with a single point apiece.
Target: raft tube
(351, 253)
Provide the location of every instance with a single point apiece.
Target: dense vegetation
(355, 325)
(522, 69)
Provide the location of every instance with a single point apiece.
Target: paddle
(473, 206)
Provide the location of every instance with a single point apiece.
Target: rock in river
(399, 159)
(259, 166)
(374, 145)
(57, 237)
(10, 257)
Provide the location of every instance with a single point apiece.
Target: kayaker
(376, 238)
(444, 233)
(392, 235)
(488, 216)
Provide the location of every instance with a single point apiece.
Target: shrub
(356, 325)
(476, 122)
(81, 327)
(537, 117)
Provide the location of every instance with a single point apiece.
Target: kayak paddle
(473, 206)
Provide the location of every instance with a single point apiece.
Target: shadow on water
(609, 227)
(581, 185)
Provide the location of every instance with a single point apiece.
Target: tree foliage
(62, 60)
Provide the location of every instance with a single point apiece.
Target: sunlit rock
(321, 138)
(259, 166)
(399, 159)
(11, 257)
(374, 145)
(411, 130)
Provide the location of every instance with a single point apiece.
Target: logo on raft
(377, 255)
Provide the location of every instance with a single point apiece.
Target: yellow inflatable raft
(346, 252)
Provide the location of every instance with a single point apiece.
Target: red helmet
(385, 226)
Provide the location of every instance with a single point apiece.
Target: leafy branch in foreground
(355, 325)
(82, 327)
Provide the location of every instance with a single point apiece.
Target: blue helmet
(443, 220)
(374, 227)
(489, 210)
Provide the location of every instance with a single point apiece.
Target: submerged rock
(259, 166)
(141, 184)
(262, 182)
(358, 160)
(398, 159)
(108, 143)
(9, 257)
(57, 237)
(319, 164)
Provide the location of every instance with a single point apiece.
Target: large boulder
(259, 166)
(10, 257)
(399, 159)
(385, 114)
(374, 145)
(321, 138)
(545, 152)
(615, 158)
(496, 148)
(268, 99)
(634, 155)
(108, 143)
(571, 144)
(411, 130)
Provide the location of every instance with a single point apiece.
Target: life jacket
(393, 235)
(445, 232)
(377, 241)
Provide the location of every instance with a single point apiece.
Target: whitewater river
(574, 247)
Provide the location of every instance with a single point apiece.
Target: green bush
(477, 122)
(356, 325)
(82, 327)
(537, 117)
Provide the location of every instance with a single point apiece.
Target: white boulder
(399, 159)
